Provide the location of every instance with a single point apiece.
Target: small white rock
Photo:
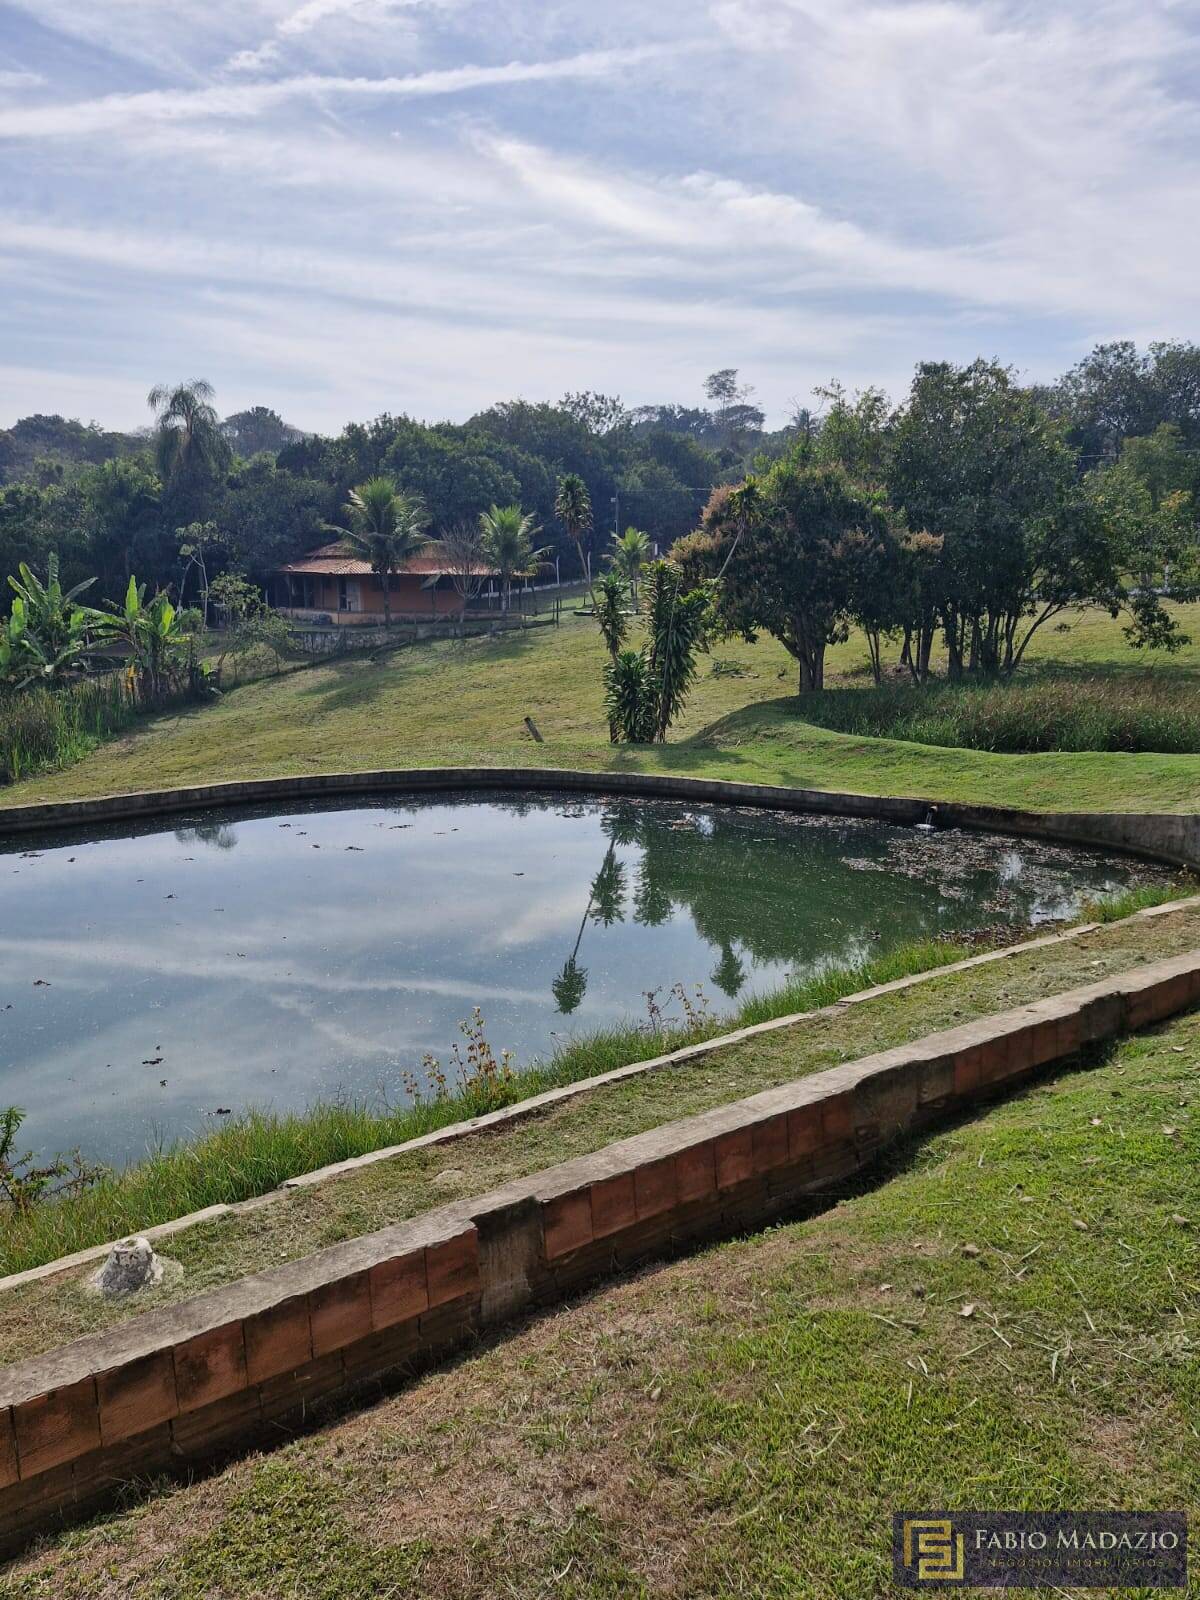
(131, 1265)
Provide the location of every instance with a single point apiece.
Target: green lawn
(744, 1422)
(451, 704)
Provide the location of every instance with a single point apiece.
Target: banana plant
(151, 629)
(49, 634)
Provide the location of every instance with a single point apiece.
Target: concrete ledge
(1160, 836)
(177, 1386)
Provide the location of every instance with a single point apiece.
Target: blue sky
(339, 207)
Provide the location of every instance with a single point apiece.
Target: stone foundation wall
(173, 1388)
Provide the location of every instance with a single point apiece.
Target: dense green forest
(112, 504)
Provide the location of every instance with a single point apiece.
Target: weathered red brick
(210, 1366)
(1043, 1041)
(614, 1206)
(735, 1157)
(452, 1268)
(804, 1131)
(399, 1290)
(290, 1393)
(136, 1396)
(654, 1187)
(837, 1117)
(1067, 1034)
(8, 1450)
(278, 1339)
(769, 1142)
(56, 1427)
(695, 1173)
(340, 1312)
(968, 1070)
(200, 1433)
(567, 1223)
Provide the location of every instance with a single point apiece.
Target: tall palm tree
(386, 526)
(188, 442)
(573, 508)
(507, 539)
(630, 552)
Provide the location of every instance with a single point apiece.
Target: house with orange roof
(332, 586)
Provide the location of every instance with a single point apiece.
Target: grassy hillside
(464, 703)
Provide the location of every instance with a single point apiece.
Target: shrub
(45, 728)
(1069, 714)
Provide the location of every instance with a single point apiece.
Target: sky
(343, 207)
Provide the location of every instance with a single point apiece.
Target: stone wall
(176, 1387)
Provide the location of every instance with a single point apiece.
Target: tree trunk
(954, 647)
(386, 581)
(873, 648)
(812, 668)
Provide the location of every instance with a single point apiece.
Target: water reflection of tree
(729, 974)
(755, 887)
(605, 905)
(758, 889)
(219, 835)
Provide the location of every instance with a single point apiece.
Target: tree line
(114, 504)
(974, 513)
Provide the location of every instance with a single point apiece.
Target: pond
(158, 976)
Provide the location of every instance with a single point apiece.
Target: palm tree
(573, 508)
(188, 444)
(630, 552)
(507, 540)
(387, 528)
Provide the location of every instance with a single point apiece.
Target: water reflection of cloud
(125, 956)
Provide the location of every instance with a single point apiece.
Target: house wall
(408, 598)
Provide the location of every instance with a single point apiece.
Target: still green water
(157, 977)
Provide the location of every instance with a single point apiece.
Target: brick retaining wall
(175, 1387)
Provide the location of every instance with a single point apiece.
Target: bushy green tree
(788, 549)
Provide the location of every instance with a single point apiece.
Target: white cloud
(85, 118)
(837, 186)
(255, 60)
(11, 78)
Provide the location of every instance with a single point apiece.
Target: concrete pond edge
(182, 1385)
(1172, 837)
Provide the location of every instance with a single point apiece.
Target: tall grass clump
(41, 729)
(258, 1150)
(1114, 714)
(1118, 906)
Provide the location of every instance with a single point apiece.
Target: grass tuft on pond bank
(1140, 898)
(258, 1150)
